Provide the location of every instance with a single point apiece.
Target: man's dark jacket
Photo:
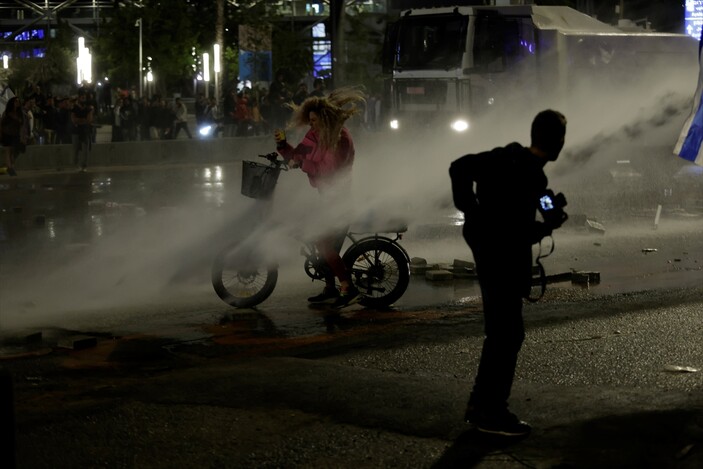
(500, 222)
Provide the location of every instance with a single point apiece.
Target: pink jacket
(321, 165)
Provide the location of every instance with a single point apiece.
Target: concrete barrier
(179, 151)
(213, 150)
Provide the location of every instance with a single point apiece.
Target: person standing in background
(117, 133)
(278, 96)
(82, 120)
(12, 134)
(29, 120)
(229, 116)
(200, 107)
(301, 94)
(318, 88)
(49, 118)
(181, 114)
(63, 121)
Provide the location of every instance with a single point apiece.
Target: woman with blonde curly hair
(326, 155)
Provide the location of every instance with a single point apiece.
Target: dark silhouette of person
(500, 227)
(278, 96)
(318, 88)
(82, 120)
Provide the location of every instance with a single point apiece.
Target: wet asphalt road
(603, 379)
(116, 250)
(127, 250)
(179, 379)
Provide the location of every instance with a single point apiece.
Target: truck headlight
(460, 125)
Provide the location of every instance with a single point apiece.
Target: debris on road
(594, 226)
(585, 278)
(78, 342)
(680, 369)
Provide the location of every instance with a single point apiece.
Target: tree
(254, 13)
(167, 40)
(292, 52)
(360, 52)
(171, 31)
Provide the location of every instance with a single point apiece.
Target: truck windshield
(431, 42)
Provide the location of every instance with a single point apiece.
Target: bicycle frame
(316, 268)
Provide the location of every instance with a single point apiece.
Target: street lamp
(83, 63)
(216, 69)
(5, 61)
(206, 73)
(141, 70)
(149, 79)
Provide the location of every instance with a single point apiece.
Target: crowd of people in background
(48, 118)
(242, 112)
(257, 111)
(39, 118)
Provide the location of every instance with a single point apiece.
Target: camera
(551, 206)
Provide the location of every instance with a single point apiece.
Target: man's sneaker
(503, 423)
(347, 298)
(328, 295)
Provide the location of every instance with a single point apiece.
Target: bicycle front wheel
(380, 271)
(242, 276)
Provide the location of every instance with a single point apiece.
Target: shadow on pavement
(472, 447)
(661, 439)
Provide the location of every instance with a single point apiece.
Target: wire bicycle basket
(259, 180)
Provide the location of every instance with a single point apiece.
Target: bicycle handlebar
(273, 159)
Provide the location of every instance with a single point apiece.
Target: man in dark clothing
(50, 118)
(143, 119)
(278, 96)
(82, 120)
(509, 183)
(318, 88)
(300, 94)
(200, 107)
(229, 118)
(63, 121)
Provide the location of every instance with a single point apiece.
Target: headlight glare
(460, 125)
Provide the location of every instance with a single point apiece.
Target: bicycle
(244, 273)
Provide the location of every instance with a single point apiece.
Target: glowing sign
(29, 35)
(322, 57)
(693, 18)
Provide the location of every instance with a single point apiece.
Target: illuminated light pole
(206, 73)
(83, 63)
(5, 61)
(79, 61)
(141, 69)
(216, 69)
(149, 79)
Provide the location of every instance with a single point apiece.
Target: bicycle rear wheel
(242, 276)
(380, 271)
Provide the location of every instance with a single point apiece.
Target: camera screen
(546, 203)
